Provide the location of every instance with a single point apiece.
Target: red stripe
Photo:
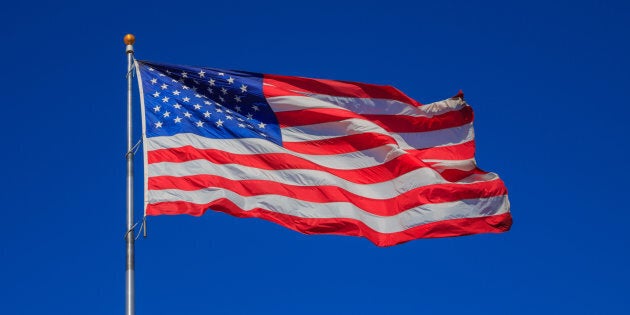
(454, 175)
(432, 194)
(364, 141)
(314, 116)
(277, 85)
(462, 151)
(281, 161)
(391, 123)
(351, 227)
(404, 123)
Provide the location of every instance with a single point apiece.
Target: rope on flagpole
(144, 225)
(132, 69)
(134, 149)
(143, 228)
(131, 230)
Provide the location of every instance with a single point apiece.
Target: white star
(187, 114)
(174, 81)
(207, 103)
(164, 86)
(177, 106)
(210, 90)
(228, 111)
(255, 107)
(237, 108)
(211, 81)
(237, 98)
(185, 87)
(167, 114)
(250, 116)
(230, 80)
(176, 92)
(200, 123)
(186, 99)
(219, 110)
(165, 99)
(243, 88)
(222, 99)
(158, 124)
(153, 81)
(161, 74)
(198, 95)
(229, 117)
(202, 74)
(151, 69)
(156, 108)
(219, 123)
(241, 125)
(177, 120)
(261, 125)
(207, 114)
(184, 75)
(221, 73)
(197, 106)
(224, 90)
(156, 94)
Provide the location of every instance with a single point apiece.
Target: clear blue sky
(548, 82)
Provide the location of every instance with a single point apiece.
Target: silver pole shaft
(130, 282)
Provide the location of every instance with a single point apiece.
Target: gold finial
(129, 39)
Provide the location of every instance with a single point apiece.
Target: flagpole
(129, 237)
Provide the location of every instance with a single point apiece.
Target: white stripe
(311, 178)
(462, 165)
(469, 208)
(435, 138)
(406, 140)
(366, 106)
(331, 129)
(358, 159)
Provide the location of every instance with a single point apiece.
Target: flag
(316, 156)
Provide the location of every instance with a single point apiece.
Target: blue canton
(212, 103)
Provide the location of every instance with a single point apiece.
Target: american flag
(316, 156)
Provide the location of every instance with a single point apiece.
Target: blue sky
(547, 81)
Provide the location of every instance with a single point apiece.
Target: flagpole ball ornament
(129, 39)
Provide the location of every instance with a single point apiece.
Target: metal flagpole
(130, 290)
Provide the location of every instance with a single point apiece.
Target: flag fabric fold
(316, 156)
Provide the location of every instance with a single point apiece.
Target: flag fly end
(459, 95)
